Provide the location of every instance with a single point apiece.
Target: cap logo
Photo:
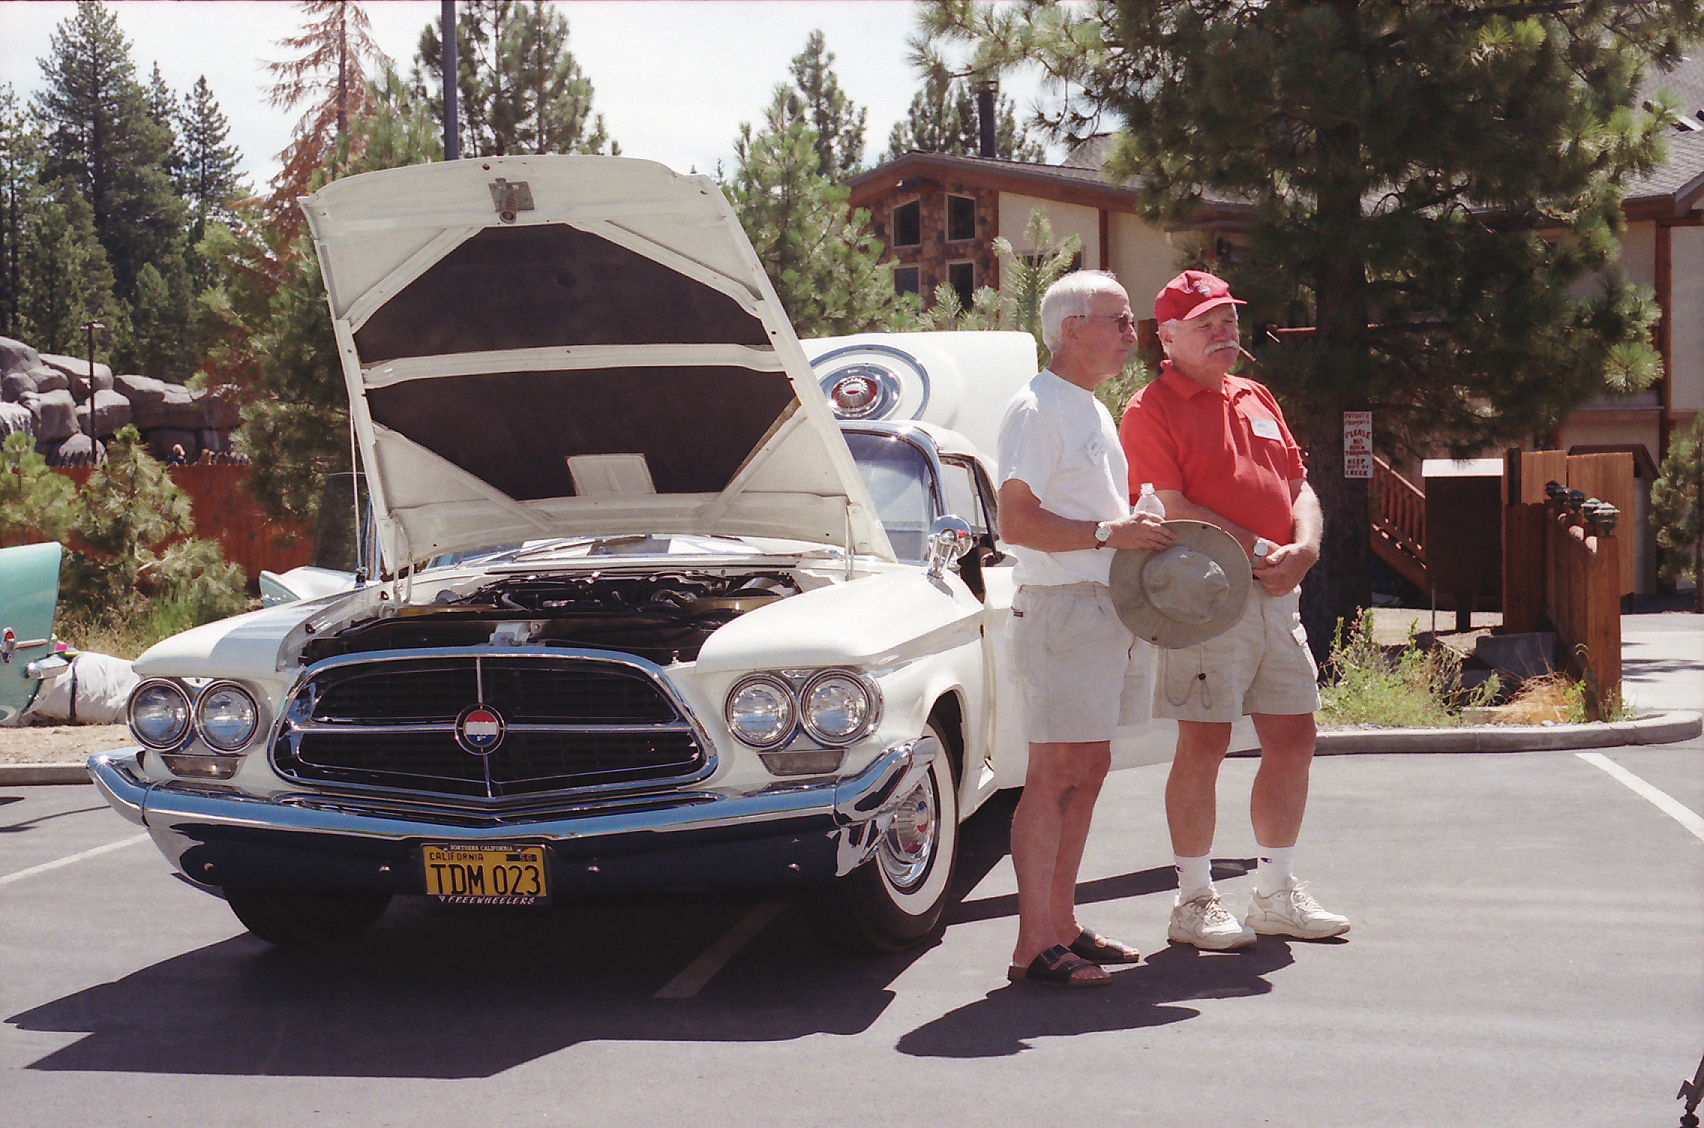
(1203, 287)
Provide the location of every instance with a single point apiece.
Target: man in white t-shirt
(1063, 510)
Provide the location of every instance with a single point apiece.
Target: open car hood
(564, 345)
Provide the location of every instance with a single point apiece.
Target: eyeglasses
(1125, 321)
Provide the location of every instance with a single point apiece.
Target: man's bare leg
(1049, 829)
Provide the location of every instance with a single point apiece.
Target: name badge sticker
(1266, 428)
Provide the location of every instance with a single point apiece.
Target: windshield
(900, 482)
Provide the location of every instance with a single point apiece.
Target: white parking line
(1665, 803)
(701, 970)
(98, 850)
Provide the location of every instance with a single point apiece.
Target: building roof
(1674, 189)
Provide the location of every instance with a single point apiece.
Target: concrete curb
(1658, 728)
(21, 775)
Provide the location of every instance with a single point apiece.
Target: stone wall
(72, 408)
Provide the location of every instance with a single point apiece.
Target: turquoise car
(29, 590)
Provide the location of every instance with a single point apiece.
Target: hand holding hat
(1186, 593)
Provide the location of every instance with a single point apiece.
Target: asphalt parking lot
(1528, 949)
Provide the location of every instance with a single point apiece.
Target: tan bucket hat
(1185, 593)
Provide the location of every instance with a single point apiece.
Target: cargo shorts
(1083, 673)
(1261, 665)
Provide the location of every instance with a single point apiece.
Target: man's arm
(1286, 564)
(1024, 522)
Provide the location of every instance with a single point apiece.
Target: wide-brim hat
(1183, 594)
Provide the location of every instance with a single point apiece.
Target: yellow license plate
(486, 875)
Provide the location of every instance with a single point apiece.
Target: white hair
(1073, 296)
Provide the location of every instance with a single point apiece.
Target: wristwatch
(1102, 532)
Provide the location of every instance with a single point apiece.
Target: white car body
(699, 663)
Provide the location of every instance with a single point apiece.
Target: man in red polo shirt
(1216, 448)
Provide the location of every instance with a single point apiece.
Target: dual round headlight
(163, 717)
(834, 707)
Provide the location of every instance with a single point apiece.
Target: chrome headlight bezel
(744, 716)
(157, 694)
(209, 698)
(838, 707)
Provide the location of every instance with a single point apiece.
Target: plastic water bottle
(1149, 502)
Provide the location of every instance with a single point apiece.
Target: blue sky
(674, 80)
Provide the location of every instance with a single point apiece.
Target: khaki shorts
(1261, 665)
(1084, 674)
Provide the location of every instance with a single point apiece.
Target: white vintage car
(645, 615)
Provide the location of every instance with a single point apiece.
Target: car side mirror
(949, 539)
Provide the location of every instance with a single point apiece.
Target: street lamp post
(90, 327)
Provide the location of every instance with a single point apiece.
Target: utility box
(1464, 533)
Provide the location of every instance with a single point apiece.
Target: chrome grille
(569, 722)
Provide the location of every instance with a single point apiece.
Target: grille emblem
(479, 729)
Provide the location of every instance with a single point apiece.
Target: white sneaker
(1293, 912)
(1206, 923)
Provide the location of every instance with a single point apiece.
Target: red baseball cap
(1192, 294)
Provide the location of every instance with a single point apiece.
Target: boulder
(162, 439)
(15, 384)
(49, 379)
(76, 370)
(111, 411)
(78, 450)
(15, 356)
(220, 405)
(155, 403)
(16, 417)
(56, 416)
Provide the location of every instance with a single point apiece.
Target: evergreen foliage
(816, 99)
(36, 504)
(1433, 188)
(1677, 509)
(102, 138)
(329, 80)
(822, 260)
(943, 118)
(135, 531)
(518, 86)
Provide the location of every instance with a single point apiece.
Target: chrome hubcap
(909, 843)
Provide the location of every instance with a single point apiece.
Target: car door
(29, 592)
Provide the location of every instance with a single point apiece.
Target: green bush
(137, 574)
(1414, 688)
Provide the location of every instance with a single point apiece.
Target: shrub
(1414, 688)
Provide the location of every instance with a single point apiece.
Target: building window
(905, 280)
(961, 276)
(908, 224)
(961, 218)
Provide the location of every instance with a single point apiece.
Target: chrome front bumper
(803, 835)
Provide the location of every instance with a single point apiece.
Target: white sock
(1276, 868)
(1194, 876)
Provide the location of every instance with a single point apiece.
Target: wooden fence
(224, 511)
(1560, 572)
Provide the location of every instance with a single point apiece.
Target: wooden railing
(1560, 573)
(1583, 599)
(1399, 524)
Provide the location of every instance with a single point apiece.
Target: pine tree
(328, 79)
(64, 278)
(822, 260)
(103, 139)
(1433, 185)
(817, 100)
(518, 87)
(1677, 509)
(208, 179)
(943, 118)
(20, 193)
